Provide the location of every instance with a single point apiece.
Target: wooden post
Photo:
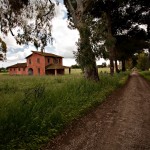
(55, 72)
(69, 70)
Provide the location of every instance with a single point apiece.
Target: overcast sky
(64, 42)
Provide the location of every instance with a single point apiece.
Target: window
(14, 69)
(10, 69)
(29, 61)
(38, 71)
(55, 61)
(24, 69)
(59, 61)
(38, 60)
(48, 60)
(18, 69)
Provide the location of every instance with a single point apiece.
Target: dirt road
(122, 122)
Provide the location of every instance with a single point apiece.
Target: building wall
(17, 71)
(61, 61)
(21, 71)
(50, 60)
(37, 63)
(12, 71)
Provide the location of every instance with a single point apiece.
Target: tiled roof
(18, 65)
(45, 54)
(56, 66)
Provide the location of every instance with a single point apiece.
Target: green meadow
(34, 109)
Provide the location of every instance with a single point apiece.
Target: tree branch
(80, 5)
(50, 2)
(84, 5)
(72, 11)
(70, 7)
(11, 32)
(9, 20)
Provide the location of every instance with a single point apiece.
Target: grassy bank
(35, 109)
(145, 74)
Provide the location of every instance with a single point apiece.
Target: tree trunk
(115, 56)
(149, 54)
(91, 73)
(86, 56)
(123, 65)
(111, 64)
(116, 66)
(110, 43)
(148, 32)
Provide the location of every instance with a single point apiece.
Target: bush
(143, 62)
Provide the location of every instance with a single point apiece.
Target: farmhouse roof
(56, 66)
(44, 54)
(18, 65)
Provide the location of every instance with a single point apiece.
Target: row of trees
(140, 61)
(113, 23)
(107, 28)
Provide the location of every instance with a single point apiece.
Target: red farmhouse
(39, 63)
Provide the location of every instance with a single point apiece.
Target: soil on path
(122, 122)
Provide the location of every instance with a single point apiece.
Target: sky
(64, 42)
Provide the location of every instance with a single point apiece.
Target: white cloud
(102, 60)
(69, 61)
(10, 41)
(64, 38)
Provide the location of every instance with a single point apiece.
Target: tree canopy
(123, 32)
(3, 50)
(28, 21)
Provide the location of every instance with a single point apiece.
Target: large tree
(79, 18)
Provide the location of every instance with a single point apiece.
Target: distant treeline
(75, 66)
(3, 69)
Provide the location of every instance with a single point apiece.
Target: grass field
(79, 71)
(35, 109)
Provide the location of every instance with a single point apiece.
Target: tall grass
(35, 109)
(145, 74)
